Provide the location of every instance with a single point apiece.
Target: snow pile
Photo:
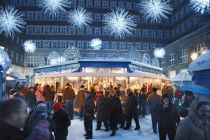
(183, 76)
(76, 132)
(201, 63)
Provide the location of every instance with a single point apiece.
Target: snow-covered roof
(183, 76)
(201, 63)
(17, 75)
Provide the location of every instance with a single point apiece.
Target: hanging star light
(155, 10)
(119, 23)
(29, 46)
(200, 6)
(80, 17)
(53, 6)
(96, 43)
(159, 53)
(11, 21)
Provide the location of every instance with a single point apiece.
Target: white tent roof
(201, 63)
(183, 76)
(17, 75)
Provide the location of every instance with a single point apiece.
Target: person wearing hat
(154, 100)
(196, 126)
(61, 120)
(88, 115)
(168, 119)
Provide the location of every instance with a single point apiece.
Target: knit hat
(41, 107)
(57, 106)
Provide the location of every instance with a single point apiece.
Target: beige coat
(191, 128)
(80, 99)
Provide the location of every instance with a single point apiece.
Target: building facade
(54, 33)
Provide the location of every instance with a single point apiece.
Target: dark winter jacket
(191, 128)
(80, 99)
(61, 120)
(102, 107)
(131, 104)
(168, 117)
(142, 98)
(8, 132)
(89, 107)
(34, 118)
(114, 106)
(154, 100)
(68, 93)
(48, 95)
(31, 100)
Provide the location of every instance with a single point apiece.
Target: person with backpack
(39, 114)
(61, 120)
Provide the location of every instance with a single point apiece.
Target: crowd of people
(36, 113)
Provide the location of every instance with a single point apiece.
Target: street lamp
(194, 55)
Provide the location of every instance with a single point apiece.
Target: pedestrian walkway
(76, 131)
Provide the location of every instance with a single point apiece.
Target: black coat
(114, 106)
(61, 120)
(142, 99)
(8, 132)
(131, 104)
(102, 107)
(168, 118)
(89, 107)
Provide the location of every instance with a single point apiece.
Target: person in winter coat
(196, 125)
(102, 109)
(40, 113)
(187, 99)
(88, 115)
(80, 100)
(30, 98)
(131, 110)
(115, 109)
(168, 119)
(123, 100)
(143, 102)
(39, 93)
(154, 100)
(13, 115)
(68, 97)
(61, 120)
(49, 97)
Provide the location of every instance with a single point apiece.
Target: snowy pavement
(76, 132)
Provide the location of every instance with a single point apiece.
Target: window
(152, 33)
(105, 32)
(113, 4)
(63, 44)
(38, 44)
(17, 58)
(114, 45)
(122, 46)
(97, 31)
(71, 30)
(184, 56)
(38, 30)
(89, 3)
(172, 59)
(21, 59)
(80, 31)
(105, 4)
(130, 45)
(138, 46)
(80, 44)
(129, 5)
(32, 61)
(29, 30)
(97, 3)
(89, 31)
(38, 15)
(46, 44)
(63, 30)
(106, 45)
(144, 33)
(144, 47)
(30, 15)
(46, 30)
(12, 55)
(55, 30)
(97, 17)
(81, 3)
(71, 43)
(121, 5)
(171, 74)
(163, 64)
(54, 44)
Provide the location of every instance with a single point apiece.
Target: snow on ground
(76, 131)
